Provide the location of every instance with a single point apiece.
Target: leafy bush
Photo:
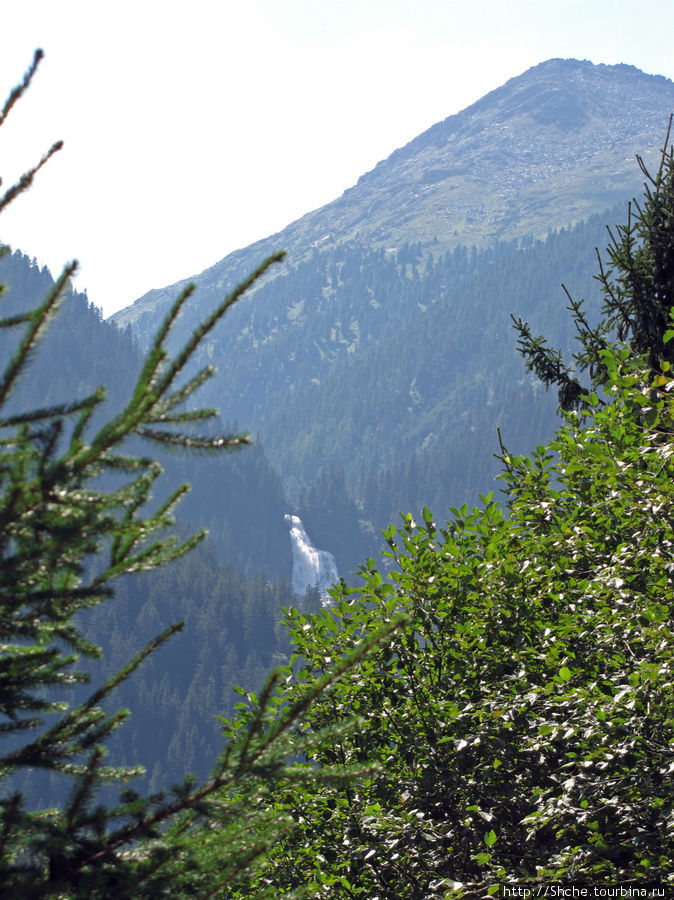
(521, 721)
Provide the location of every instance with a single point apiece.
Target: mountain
(379, 361)
(547, 149)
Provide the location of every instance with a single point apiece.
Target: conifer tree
(637, 285)
(73, 518)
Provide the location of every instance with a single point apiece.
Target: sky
(193, 129)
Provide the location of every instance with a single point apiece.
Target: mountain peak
(570, 66)
(565, 94)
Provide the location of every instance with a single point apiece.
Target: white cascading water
(311, 567)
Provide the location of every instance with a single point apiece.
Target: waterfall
(311, 567)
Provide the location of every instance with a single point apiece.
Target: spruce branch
(20, 89)
(194, 442)
(77, 722)
(38, 323)
(211, 320)
(27, 178)
(637, 288)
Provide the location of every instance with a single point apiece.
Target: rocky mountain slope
(547, 149)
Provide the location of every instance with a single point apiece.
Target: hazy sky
(192, 129)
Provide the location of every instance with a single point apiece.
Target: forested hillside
(384, 376)
(380, 386)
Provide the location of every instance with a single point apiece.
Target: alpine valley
(375, 369)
